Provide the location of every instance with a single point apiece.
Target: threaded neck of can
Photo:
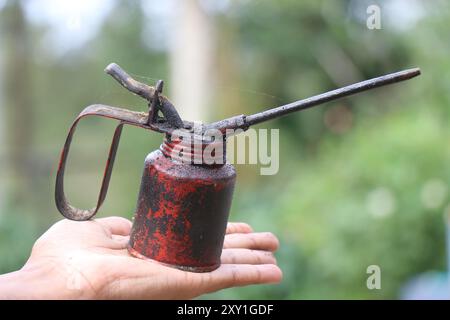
(194, 149)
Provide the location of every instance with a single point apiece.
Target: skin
(89, 260)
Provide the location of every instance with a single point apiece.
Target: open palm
(89, 260)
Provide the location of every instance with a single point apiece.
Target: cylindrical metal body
(182, 211)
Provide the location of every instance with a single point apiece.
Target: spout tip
(413, 72)
(402, 75)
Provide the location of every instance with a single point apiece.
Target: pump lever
(156, 100)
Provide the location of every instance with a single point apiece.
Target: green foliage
(322, 213)
(16, 235)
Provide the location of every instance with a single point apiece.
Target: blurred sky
(73, 23)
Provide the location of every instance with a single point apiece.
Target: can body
(182, 213)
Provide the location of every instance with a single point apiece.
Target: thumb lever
(156, 100)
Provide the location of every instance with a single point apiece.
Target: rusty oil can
(184, 201)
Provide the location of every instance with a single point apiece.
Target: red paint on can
(182, 211)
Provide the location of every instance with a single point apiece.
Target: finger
(232, 275)
(238, 227)
(117, 243)
(116, 225)
(258, 241)
(247, 256)
(121, 241)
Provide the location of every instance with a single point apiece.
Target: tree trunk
(192, 61)
(18, 102)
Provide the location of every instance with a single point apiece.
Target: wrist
(33, 281)
(18, 285)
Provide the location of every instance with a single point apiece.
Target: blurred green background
(362, 181)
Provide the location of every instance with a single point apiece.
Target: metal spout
(243, 122)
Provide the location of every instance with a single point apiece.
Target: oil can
(184, 199)
(183, 207)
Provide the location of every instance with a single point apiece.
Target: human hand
(89, 260)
